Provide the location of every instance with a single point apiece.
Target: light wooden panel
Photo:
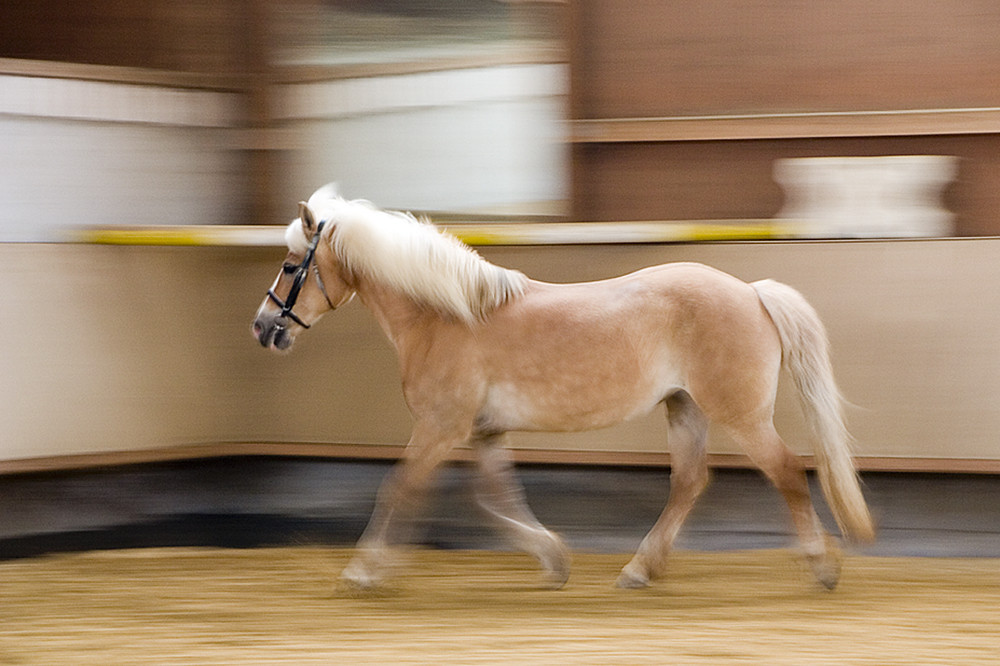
(131, 353)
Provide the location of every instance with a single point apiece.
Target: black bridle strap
(285, 312)
(301, 273)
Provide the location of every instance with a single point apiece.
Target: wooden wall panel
(184, 35)
(678, 110)
(652, 58)
(732, 179)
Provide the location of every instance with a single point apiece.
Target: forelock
(295, 237)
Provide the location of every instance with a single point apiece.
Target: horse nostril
(260, 333)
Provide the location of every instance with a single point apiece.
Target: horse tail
(805, 353)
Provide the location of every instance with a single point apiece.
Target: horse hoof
(357, 578)
(557, 566)
(556, 578)
(630, 580)
(826, 566)
(827, 573)
(349, 588)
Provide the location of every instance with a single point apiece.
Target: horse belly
(568, 407)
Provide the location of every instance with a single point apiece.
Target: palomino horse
(484, 350)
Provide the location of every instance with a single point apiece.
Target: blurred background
(689, 120)
(192, 112)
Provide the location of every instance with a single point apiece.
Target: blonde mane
(410, 256)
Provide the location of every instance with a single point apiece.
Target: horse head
(308, 285)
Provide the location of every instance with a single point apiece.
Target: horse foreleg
(501, 496)
(687, 434)
(399, 501)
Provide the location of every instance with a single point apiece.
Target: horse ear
(308, 221)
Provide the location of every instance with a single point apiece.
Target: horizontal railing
(473, 233)
(809, 125)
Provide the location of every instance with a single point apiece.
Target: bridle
(299, 279)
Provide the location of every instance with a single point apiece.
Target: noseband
(299, 279)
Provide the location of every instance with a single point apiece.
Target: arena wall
(125, 353)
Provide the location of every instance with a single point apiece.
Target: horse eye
(288, 269)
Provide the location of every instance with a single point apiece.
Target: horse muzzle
(272, 333)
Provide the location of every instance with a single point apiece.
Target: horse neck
(396, 314)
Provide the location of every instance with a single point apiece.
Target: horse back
(583, 355)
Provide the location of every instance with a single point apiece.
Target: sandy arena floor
(280, 606)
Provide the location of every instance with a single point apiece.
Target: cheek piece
(299, 279)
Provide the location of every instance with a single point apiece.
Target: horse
(484, 350)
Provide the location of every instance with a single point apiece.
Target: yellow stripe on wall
(481, 234)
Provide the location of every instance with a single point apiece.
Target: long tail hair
(805, 353)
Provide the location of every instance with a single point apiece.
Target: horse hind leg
(785, 470)
(687, 434)
(501, 496)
